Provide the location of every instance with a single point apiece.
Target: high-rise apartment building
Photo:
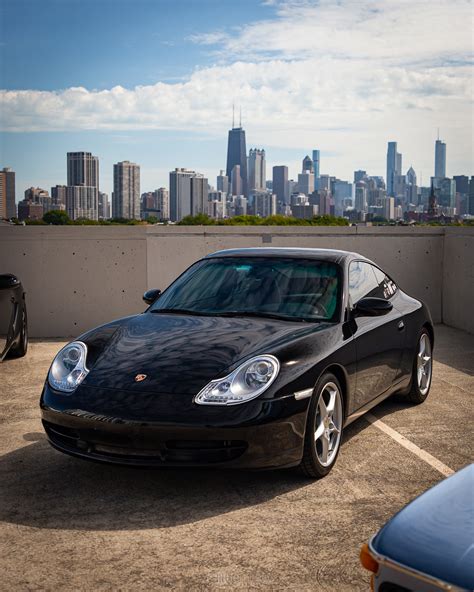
(103, 206)
(162, 202)
(280, 184)
(188, 194)
(440, 159)
(256, 170)
(237, 155)
(394, 168)
(82, 169)
(81, 202)
(58, 197)
(126, 195)
(264, 203)
(7, 193)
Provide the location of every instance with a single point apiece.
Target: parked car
(252, 358)
(13, 319)
(428, 546)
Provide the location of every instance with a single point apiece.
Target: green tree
(56, 217)
(197, 220)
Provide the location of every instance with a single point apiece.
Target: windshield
(293, 289)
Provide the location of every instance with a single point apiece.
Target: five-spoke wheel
(324, 427)
(422, 369)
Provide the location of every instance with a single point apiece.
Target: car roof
(433, 533)
(334, 255)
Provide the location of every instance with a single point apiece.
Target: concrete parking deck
(67, 524)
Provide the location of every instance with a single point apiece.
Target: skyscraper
(7, 193)
(58, 197)
(306, 182)
(162, 202)
(236, 185)
(82, 169)
(237, 155)
(222, 182)
(280, 184)
(188, 194)
(307, 164)
(316, 164)
(440, 159)
(394, 167)
(126, 195)
(359, 175)
(103, 206)
(81, 202)
(257, 170)
(411, 187)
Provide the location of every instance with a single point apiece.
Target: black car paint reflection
(111, 417)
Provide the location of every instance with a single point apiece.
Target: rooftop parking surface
(68, 524)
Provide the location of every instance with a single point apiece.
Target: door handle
(401, 325)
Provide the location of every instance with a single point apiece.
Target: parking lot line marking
(426, 456)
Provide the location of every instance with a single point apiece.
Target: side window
(386, 285)
(362, 281)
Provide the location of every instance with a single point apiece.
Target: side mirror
(151, 295)
(8, 281)
(372, 307)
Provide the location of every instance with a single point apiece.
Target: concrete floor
(67, 524)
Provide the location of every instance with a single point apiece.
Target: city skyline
(245, 189)
(159, 89)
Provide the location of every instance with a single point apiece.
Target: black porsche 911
(13, 320)
(252, 358)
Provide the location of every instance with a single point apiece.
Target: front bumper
(255, 435)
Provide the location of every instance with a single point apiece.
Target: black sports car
(13, 321)
(252, 358)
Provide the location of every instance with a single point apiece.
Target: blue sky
(153, 81)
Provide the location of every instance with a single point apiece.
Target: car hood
(181, 354)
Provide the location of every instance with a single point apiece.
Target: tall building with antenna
(237, 153)
(440, 159)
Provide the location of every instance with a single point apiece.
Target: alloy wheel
(424, 364)
(328, 426)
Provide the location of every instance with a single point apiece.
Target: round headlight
(246, 382)
(69, 368)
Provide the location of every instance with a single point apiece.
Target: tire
(330, 426)
(422, 367)
(20, 350)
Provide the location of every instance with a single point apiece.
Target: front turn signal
(367, 560)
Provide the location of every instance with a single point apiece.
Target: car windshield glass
(287, 288)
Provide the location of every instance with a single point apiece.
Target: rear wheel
(422, 369)
(323, 428)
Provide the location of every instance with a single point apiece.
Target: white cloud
(331, 74)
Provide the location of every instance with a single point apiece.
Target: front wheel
(422, 369)
(323, 428)
(20, 350)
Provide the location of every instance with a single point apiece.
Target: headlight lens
(69, 367)
(246, 382)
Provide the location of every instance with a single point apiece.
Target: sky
(154, 81)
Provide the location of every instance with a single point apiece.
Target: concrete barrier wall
(458, 278)
(77, 277)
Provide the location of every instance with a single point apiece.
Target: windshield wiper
(182, 311)
(263, 314)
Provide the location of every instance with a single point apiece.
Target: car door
(378, 340)
(7, 309)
